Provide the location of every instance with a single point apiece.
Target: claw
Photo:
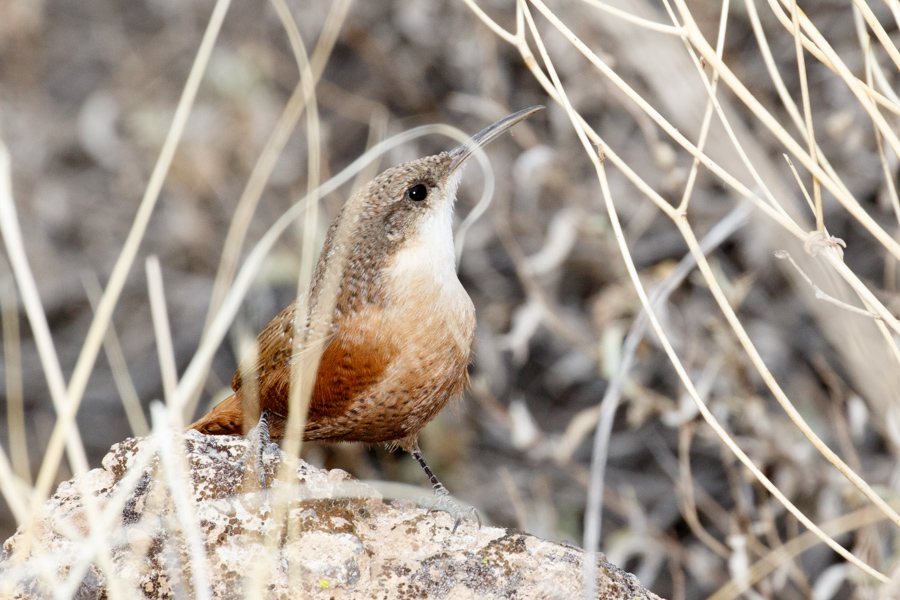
(260, 444)
(442, 500)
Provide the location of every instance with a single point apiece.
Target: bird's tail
(225, 418)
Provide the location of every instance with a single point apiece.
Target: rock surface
(312, 534)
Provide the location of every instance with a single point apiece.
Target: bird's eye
(417, 193)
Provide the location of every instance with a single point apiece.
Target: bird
(398, 327)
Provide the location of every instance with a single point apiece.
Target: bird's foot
(444, 502)
(261, 445)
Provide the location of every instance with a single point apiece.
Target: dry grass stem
(162, 332)
(262, 170)
(807, 112)
(784, 255)
(12, 356)
(103, 315)
(131, 402)
(592, 523)
(175, 472)
(649, 195)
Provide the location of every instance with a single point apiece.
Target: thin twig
(820, 295)
(591, 541)
(807, 111)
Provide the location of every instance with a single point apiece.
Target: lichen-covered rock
(149, 531)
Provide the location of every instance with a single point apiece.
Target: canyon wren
(401, 332)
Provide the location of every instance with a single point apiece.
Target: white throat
(428, 257)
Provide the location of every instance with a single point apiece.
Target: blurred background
(88, 90)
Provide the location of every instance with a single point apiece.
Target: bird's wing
(352, 363)
(349, 362)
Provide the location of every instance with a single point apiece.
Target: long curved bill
(486, 135)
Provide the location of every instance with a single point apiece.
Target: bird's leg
(261, 443)
(442, 499)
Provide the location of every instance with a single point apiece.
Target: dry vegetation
(758, 403)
